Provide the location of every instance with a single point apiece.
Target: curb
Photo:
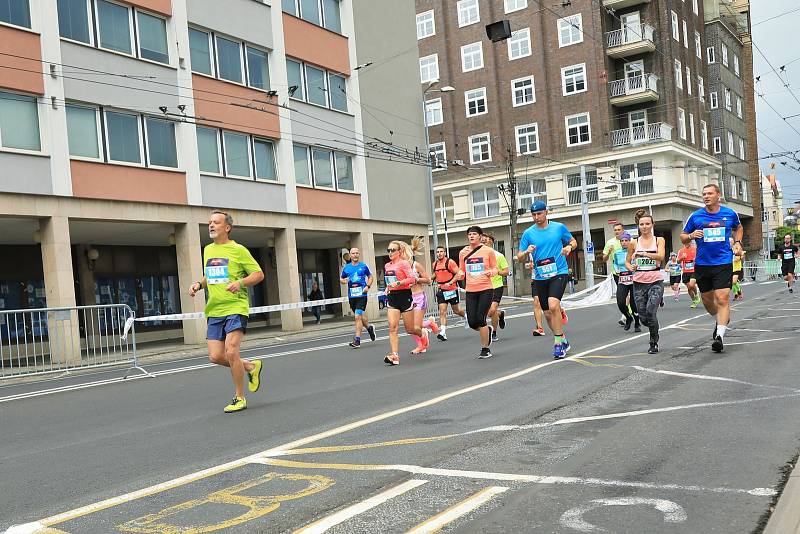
(786, 517)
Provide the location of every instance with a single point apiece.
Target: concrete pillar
(271, 282)
(289, 284)
(188, 250)
(365, 242)
(85, 276)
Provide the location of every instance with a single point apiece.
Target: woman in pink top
(645, 256)
(399, 277)
(420, 297)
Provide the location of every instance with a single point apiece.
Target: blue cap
(624, 235)
(539, 205)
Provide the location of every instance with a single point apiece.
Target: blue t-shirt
(619, 258)
(357, 278)
(547, 259)
(714, 248)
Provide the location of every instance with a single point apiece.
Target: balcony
(619, 4)
(634, 90)
(630, 41)
(650, 133)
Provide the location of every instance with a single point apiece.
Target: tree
(782, 231)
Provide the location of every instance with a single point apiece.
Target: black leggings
(648, 300)
(478, 303)
(622, 294)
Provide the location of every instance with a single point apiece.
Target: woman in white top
(645, 255)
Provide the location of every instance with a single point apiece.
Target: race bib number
(788, 255)
(626, 278)
(475, 266)
(390, 279)
(646, 264)
(546, 268)
(356, 291)
(674, 271)
(217, 271)
(714, 234)
(449, 295)
(688, 266)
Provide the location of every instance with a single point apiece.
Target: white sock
(443, 329)
(721, 330)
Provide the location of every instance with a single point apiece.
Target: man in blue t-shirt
(712, 227)
(358, 278)
(548, 244)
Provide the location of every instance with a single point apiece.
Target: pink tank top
(649, 270)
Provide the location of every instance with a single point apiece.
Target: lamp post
(445, 89)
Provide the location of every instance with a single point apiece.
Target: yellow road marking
(440, 520)
(362, 446)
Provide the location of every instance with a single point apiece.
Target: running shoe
(628, 323)
(494, 336)
(621, 321)
(558, 351)
(237, 405)
(355, 344)
(675, 298)
(537, 332)
(433, 326)
(425, 339)
(491, 334)
(637, 328)
(566, 346)
(466, 324)
(485, 354)
(417, 351)
(392, 359)
(441, 337)
(695, 302)
(254, 377)
(564, 318)
(653, 348)
(371, 332)
(502, 322)
(717, 345)
(791, 290)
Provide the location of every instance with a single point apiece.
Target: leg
(458, 311)
(233, 342)
(622, 294)
(410, 324)
(443, 315)
(640, 297)
(709, 302)
(538, 313)
(358, 324)
(216, 352)
(393, 316)
(654, 295)
(494, 315)
(364, 321)
(721, 298)
(553, 315)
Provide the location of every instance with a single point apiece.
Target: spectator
(571, 280)
(316, 294)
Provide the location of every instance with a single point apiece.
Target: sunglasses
(391, 250)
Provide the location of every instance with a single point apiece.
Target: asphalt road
(685, 441)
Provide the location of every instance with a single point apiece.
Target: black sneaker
(653, 348)
(717, 346)
(485, 353)
(441, 337)
(714, 335)
(371, 332)
(637, 328)
(628, 323)
(494, 337)
(502, 322)
(791, 290)
(355, 344)
(491, 334)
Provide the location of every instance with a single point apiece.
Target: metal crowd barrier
(51, 340)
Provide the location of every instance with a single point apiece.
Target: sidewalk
(786, 517)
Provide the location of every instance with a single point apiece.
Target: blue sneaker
(566, 346)
(558, 352)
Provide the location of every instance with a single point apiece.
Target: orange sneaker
(433, 326)
(392, 359)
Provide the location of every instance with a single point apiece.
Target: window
(742, 151)
(694, 7)
(323, 168)
(515, 5)
(578, 130)
(73, 20)
(701, 89)
(237, 154)
(698, 47)
(531, 190)
(691, 128)
(324, 13)
(19, 122)
(16, 12)
(743, 190)
(344, 171)
(733, 186)
(337, 89)
(724, 54)
(290, 6)
(731, 146)
(475, 102)
(480, 148)
(678, 74)
(472, 57)
(200, 52)
(229, 60)
(688, 80)
(711, 55)
(82, 132)
(574, 187)
(309, 11)
(123, 137)
(433, 112)
(570, 30)
(468, 12)
(704, 134)
(682, 123)
(429, 68)
(728, 99)
(739, 107)
(717, 145)
(523, 91)
(426, 25)
(675, 27)
(637, 178)
(114, 26)
(685, 35)
(208, 150)
(438, 156)
(573, 79)
(316, 86)
(257, 68)
(316, 90)
(331, 12)
(152, 32)
(264, 155)
(161, 148)
(519, 44)
(713, 101)
(445, 210)
(736, 65)
(294, 71)
(527, 138)
(302, 168)
(485, 202)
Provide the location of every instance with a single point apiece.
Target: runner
(229, 269)
(645, 255)
(738, 273)
(549, 243)
(674, 270)
(479, 265)
(711, 227)
(686, 257)
(788, 254)
(538, 313)
(447, 274)
(358, 278)
(498, 317)
(399, 277)
(612, 246)
(625, 302)
(421, 298)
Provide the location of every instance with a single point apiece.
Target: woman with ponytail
(420, 298)
(399, 277)
(645, 256)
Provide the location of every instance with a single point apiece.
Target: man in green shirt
(498, 319)
(228, 269)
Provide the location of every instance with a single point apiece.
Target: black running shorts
(713, 277)
(497, 296)
(440, 297)
(685, 277)
(674, 279)
(401, 299)
(552, 288)
(787, 267)
(358, 303)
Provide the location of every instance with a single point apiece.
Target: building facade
(122, 124)
(618, 86)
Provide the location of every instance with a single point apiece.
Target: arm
(424, 278)
(690, 231)
(606, 252)
(738, 234)
(504, 270)
(572, 245)
(197, 286)
(628, 261)
(661, 244)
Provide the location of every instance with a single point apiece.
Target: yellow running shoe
(254, 377)
(237, 405)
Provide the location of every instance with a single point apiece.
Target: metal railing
(50, 340)
(630, 35)
(634, 85)
(657, 131)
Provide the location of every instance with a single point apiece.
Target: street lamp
(430, 89)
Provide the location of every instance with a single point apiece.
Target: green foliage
(782, 231)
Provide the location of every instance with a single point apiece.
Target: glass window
(208, 149)
(637, 179)
(15, 12)
(199, 51)
(578, 131)
(429, 68)
(426, 25)
(471, 57)
(519, 44)
(257, 69)
(438, 156)
(344, 172)
(82, 132)
(570, 30)
(152, 37)
(574, 187)
(229, 60)
(114, 26)
(338, 92)
(675, 28)
(514, 5)
(309, 10)
(323, 172)
(527, 138)
(682, 123)
(161, 149)
(522, 91)
(294, 71)
(264, 152)
(433, 112)
(333, 18)
(475, 101)
(237, 154)
(529, 191)
(485, 202)
(73, 20)
(480, 149)
(315, 82)
(122, 131)
(289, 6)
(468, 12)
(301, 172)
(573, 79)
(19, 122)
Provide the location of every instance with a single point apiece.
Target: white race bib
(788, 255)
(390, 279)
(475, 269)
(714, 234)
(356, 292)
(217, 274)
(449, 295)
(646, 264)
(546, 268)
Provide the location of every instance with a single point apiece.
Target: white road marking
(573, 518)
(27, 528)
(318, 527)
(759, 341)
(708, 377)
(435, 523)
(279, 338)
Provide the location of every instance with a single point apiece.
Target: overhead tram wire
(785, 84)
